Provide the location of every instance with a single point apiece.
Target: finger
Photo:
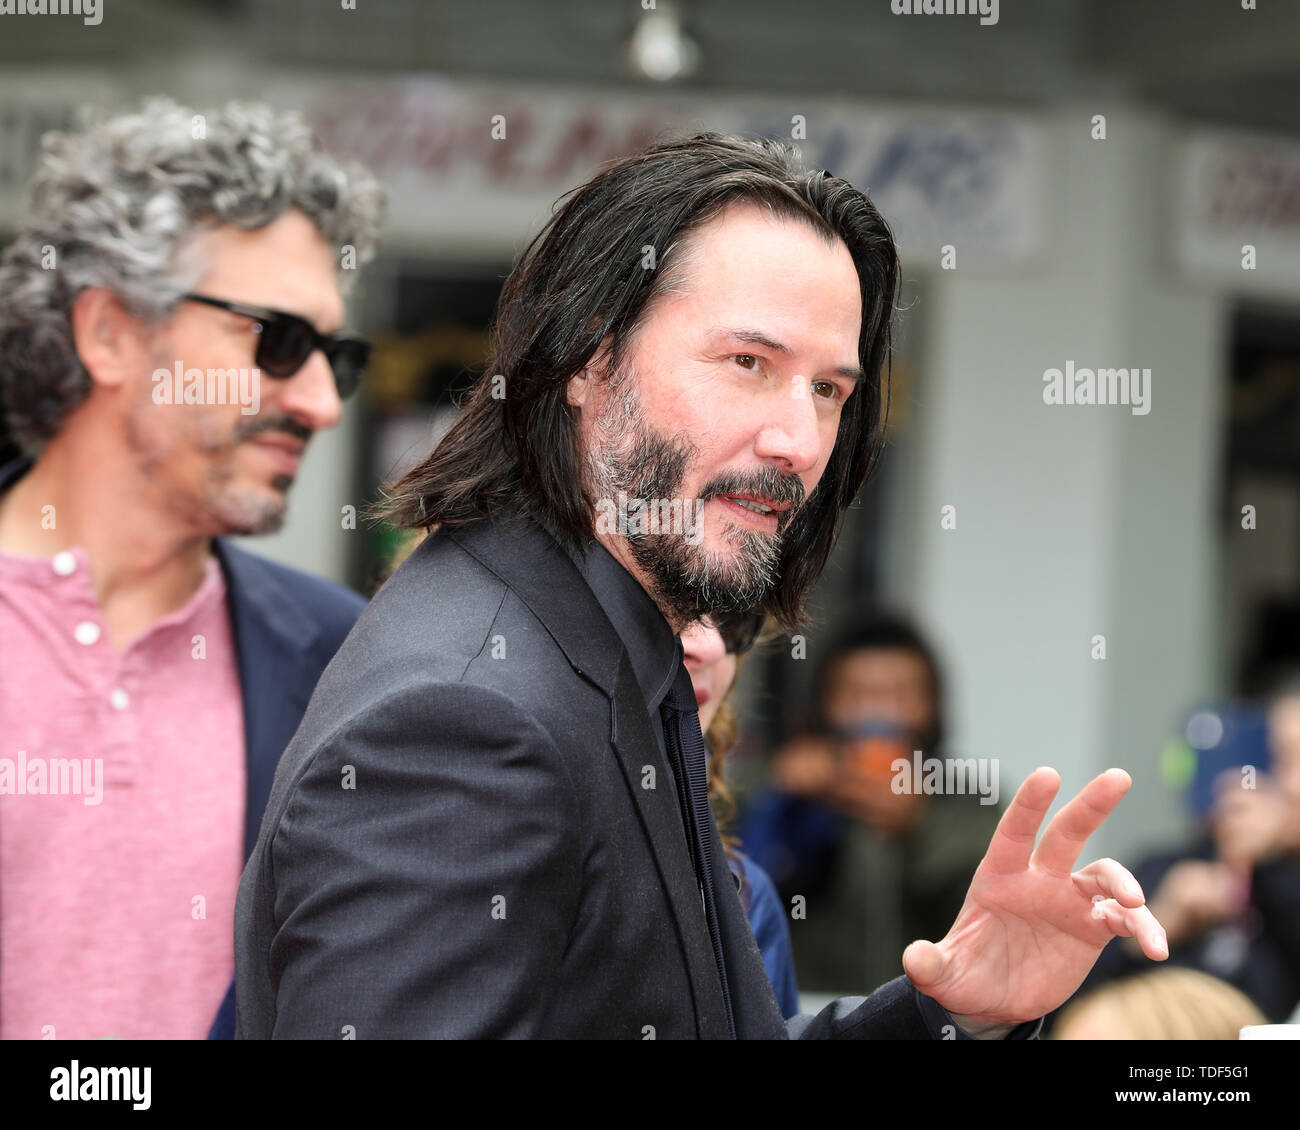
(1108, 879)
(1134, 922)
(924, 964)
(1013, 839)
(1070, 828)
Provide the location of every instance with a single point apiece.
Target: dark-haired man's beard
(686, 579)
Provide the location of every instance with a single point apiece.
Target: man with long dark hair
(493, 820)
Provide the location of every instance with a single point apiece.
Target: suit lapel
(272, 640)
(660, 814)
(753, 1001)
(542, 575)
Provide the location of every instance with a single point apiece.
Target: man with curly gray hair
(170, 339)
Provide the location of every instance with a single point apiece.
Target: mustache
(249, 428)
(779, 486)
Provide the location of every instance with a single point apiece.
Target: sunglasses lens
(287, 341)
(285, 346)
(740, 631)
(348, 360)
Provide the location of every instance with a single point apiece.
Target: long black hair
(514, 447)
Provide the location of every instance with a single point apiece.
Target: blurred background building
(1104, 183)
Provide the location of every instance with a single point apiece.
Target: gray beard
(218, 507)
(687, 581)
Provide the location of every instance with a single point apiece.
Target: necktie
(685, 745)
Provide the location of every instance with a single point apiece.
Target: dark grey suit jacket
(462, 840)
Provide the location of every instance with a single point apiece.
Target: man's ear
(580, 383)
(107, 336)
(576, 391)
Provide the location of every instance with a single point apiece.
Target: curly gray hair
(118, 202)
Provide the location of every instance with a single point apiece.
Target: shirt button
(120, 699)
(65, 563)
(87, 632)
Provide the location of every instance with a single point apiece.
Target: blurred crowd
(853, 861)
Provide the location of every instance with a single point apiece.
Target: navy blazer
(287, 626)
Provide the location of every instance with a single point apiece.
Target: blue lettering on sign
(954, 170)
(953, 167)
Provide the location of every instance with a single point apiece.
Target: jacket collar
(654, 650)
(273, 641)
(524, 556)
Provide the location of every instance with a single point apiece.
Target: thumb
(924, 964)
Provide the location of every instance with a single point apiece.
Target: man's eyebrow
(757, 337)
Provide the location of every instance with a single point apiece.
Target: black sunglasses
(286, 341)
(739, 630)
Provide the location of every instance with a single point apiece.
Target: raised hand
(1030, 928)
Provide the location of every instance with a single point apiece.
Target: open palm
(1030, 928)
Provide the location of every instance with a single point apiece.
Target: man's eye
(745, 360)
(832, 390)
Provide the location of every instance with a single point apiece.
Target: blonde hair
(1164, 1004)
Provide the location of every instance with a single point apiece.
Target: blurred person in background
(877, 866)
(713, 656)
(1160, 1004)
(1231, 903)
(168, 666)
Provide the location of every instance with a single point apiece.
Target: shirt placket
(108, 675)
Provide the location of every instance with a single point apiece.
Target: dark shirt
(654, 651)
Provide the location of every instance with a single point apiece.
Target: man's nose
(791, 433)
(311, 395)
